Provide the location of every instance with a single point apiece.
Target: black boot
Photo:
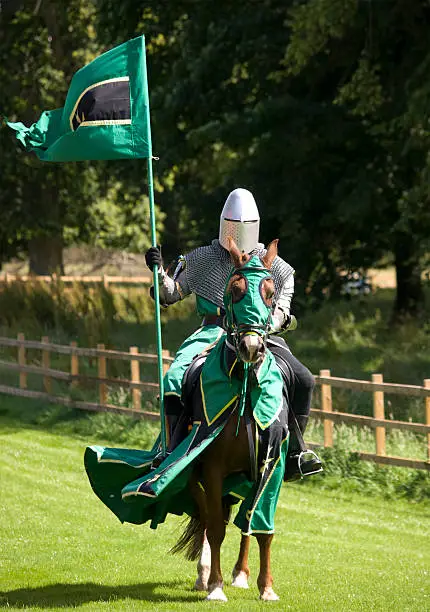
(300, 462)
(177, 429)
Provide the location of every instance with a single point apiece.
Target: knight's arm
(284, 283)
(172, 289)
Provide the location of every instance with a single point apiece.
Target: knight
(204, 273)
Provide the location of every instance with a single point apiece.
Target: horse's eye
(267, 291)
(239, 287)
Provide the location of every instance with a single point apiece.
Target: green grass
(62, 549)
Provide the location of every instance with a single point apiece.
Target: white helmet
(240, 220)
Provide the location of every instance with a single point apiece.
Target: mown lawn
(61, 548)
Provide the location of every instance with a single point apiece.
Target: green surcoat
(200, 340)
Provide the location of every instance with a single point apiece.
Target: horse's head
(248, 301)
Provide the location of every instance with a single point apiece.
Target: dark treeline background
(320, 107)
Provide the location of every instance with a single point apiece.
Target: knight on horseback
(205, 272)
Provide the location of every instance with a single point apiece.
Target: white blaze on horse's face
(251, 347)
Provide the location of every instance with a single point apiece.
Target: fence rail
(327, 414)
(106, 279)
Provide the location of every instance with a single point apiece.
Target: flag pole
(155, 270)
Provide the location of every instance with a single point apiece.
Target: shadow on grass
(62, 594)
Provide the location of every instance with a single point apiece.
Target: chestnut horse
(230, 451)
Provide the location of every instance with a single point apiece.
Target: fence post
(427, 386)
(327, 406)
(135, 377)
(74, 364)
(379, 413)
(21, 362)
(105, 281)
(102, 374)
(46, 363)
(166, 365)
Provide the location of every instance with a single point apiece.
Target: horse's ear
(272, 251)
(238, 259)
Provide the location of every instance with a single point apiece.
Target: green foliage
(121, 219)
(313, 24)
(86, 201)
(319, 107)
(38, 55)
(119, 318)
(345, 470)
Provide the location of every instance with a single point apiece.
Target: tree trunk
(46, 255)
(410, 295)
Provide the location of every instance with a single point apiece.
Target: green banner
(105, 115)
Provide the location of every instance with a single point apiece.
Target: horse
(235, 449)
(229, 453)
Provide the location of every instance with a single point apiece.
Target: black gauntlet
(153, 257)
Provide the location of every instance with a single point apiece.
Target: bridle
(235, 332)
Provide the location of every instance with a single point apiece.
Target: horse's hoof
(216, 595)
(240, 581)
(199, 585)
(269, 595)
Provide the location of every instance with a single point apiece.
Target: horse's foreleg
(215, 531)
(241, 572)
(265, 579)
(203, 567)
(204, 562)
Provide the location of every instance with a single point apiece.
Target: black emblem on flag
(105, 103)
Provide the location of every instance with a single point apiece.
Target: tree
(39, 51)
(379, 57)
(45, 205)
(319, 107)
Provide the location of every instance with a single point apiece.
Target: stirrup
(302, 458)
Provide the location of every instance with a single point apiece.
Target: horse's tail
(191, 541)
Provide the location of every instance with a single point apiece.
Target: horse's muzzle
(251, 347)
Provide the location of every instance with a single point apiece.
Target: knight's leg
(301, 385)
(212, 478)
(265, 579)
(241, 569)
(176, 426)
(304, 383)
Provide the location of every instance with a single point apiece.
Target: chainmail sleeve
(283, 276)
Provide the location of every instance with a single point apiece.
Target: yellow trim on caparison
(208, 421)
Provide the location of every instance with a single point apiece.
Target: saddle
(191, 378)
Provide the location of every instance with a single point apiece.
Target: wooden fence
(106, 280)
(327, 414)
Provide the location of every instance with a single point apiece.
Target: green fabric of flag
(105, 115)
